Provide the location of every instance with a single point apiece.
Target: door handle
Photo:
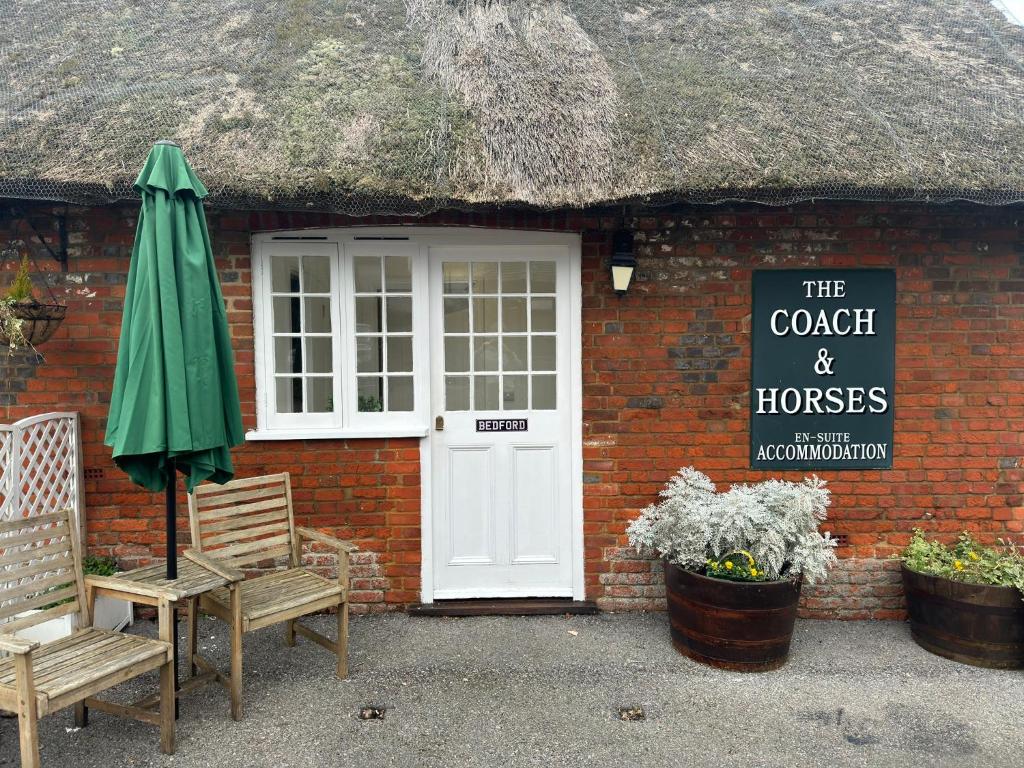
(439, 424)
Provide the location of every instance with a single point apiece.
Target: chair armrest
(133, 588)
(17, 645)
(221, 569)
(322, 538)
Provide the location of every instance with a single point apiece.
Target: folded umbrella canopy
(175, 397)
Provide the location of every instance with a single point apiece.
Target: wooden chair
(41, 564)
(250, 521)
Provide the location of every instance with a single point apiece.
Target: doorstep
(503, 607)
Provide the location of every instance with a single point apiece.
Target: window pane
(284, 274)
(514, 393)
(319, 354)
(321, 394)
(513, 277)
(397, 273)
(456, 315)
(485, 315)
(368, 314)
(288, 354)
(456, 393)
(286, 314)
(485, 277)
(513, 353)
(513, 315)
(543, 393)
(542, 314)
(316, 274)
(368, 354)
(367, 272)
(543, 353)
(485, 353)
(456, 277)
(399, 314)
(400, 353)
(289, 395)
(456, 353)
(542, 276)
(370, 394)
(318, 314)
(485, 393)
(400, 395)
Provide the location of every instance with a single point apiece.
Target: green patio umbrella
(174, 404)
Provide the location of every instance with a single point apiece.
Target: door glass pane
(316, 274)
(456, 277)
(368, 314)
(397, 274)
(485, 353)
(514, 393)
(513, 314)
(321, 394)
(456, 353)
(288, 354)
(400, 353)
(485, 315)
(367, 274)
(542, 315)
(370, 394)
(318, 354)
(543, 392)
(318, 314)
(289, 395)
(513, 353)
(400, 394)
(399, 314)
(485, 393)
(456, 315)
(542, 276)
(485, 277)
(286, 314)
(513, 277)
(543, 353)
(368, 354)
(284, 274)
(456, 393)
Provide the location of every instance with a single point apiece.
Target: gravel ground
(545, 691)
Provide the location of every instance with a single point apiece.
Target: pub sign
(823, 369)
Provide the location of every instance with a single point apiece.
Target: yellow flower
(728, 565)
(973, 556)
(753, 571)
(958, 565)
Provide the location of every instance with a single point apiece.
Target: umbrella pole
(172, 563)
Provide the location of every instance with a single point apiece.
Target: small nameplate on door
(501, 425)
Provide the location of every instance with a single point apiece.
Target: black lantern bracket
(61, 254)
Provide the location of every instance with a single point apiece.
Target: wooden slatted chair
(41, 564)
(248, 522)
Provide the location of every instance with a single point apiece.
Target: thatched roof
(397, 104)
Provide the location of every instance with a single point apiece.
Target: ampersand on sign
(823, 365)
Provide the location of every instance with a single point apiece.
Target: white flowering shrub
(775, 521)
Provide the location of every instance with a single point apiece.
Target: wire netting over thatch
(398, 105)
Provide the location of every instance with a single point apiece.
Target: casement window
(340, 332)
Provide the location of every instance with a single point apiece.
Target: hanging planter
(24, 321)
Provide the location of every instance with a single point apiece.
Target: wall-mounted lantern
(623, 261)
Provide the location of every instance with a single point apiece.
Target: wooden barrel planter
(972, 623)
(742, 626)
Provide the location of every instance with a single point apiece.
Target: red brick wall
(665, 378)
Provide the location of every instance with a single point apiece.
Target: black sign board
(823, 369)
(501, 425)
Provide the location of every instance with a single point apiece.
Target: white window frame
(346, 420)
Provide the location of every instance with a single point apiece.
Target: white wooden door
(501, 460)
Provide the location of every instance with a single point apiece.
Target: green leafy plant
(761, 532)
(370, 404)
(21, 289)
(966, 560)
(12, 327)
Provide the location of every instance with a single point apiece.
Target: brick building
(444, 367)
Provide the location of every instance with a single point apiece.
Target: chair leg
(192, 606)
(28, 715)
(167, 706)
(236, 653)
(289, 633)
(342, 670)
(81, 715)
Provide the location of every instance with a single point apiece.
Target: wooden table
(193, 581)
